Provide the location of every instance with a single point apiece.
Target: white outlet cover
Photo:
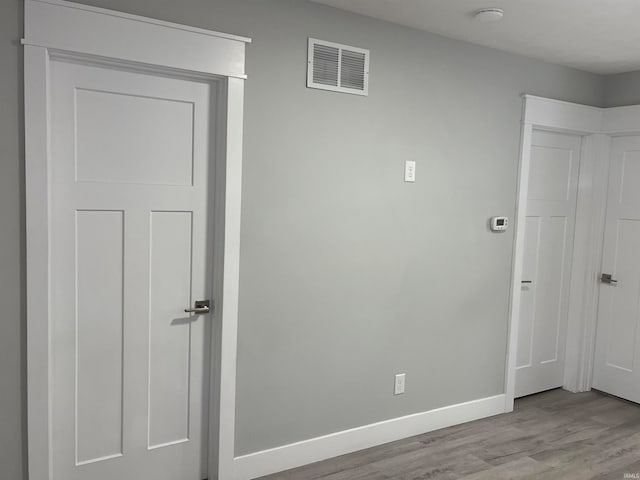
(409, 171)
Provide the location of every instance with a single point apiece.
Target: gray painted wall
(348, 275)
(12, 311)
(622, 89)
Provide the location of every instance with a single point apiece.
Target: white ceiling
(600, 36)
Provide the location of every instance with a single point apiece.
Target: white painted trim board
(138, 18)
(550, 114)
(277, 459)
(517, 262)
(76, 28)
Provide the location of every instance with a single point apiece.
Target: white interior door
(130, 251)
(617, 360)
(548, 249)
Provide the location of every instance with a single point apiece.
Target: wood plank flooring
(551, 435)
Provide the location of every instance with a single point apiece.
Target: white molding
(89, 33)
(558, 115)
(579, 265)
(517, 260)
(277, 459)
(76, 28)
(138, 18)
(591, 280)
(229, 333)
(36, 74)
(621, 120)
(587, 254)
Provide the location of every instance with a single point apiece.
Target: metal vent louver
(336, 67)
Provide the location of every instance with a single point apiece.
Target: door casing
(596, 126)
(57, 28)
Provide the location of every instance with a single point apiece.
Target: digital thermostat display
(499, 224)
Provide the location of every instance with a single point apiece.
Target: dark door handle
(608, 278)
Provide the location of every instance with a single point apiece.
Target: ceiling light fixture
(487, 15)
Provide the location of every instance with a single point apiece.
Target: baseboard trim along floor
(265, 462)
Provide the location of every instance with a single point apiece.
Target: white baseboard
(265, 462)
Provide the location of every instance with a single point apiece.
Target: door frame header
(83, 29)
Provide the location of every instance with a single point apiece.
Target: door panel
(100, 283)
(551, 169)
(617, 361)
(130, 251)
(112, 147)
(550, 313)
(169, 342)
(549, 229)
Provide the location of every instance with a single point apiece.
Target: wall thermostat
(499, 224)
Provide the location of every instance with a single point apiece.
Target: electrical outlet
(409, 171)
(399, 384)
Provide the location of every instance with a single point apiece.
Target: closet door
(617, 361)
(549, 230)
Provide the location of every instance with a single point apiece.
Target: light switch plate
(399, 384)
(409, 171)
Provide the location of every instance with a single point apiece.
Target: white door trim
(596, 126)
(56, 27)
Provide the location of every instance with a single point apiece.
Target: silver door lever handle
(197, 310)
(201, 306)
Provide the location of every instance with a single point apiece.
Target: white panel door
(617, 360)
(130, 232)
(549, 230)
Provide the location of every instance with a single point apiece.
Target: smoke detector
(487, 15)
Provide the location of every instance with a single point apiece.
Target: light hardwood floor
(551, 435)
